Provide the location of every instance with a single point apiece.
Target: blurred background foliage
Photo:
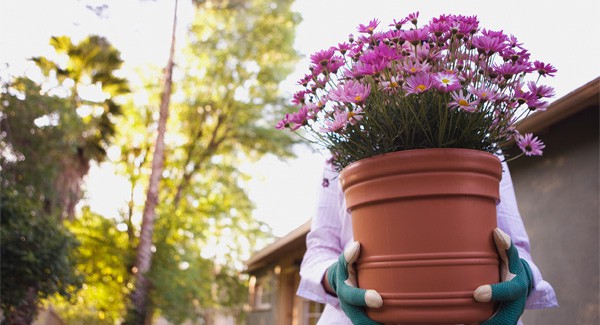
(84, 110)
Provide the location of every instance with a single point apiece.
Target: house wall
(286, 307)
(558, 197)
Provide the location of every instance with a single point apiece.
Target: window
(263, 293)
(312, 312)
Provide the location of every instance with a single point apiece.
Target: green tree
(36, 258)
(137, 311)
(51, 131)
(103, 257)
(226, 104)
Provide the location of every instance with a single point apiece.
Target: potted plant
(415, 118)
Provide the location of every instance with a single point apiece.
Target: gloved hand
(517, 283)
(341, 277)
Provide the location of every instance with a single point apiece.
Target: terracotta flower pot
(425, 219)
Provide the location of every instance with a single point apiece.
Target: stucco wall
(558, 199)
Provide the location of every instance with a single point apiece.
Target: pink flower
(390, 84)
(530, 145)
(322, 57)
(416, 36)
(540, 91)
(483, 94)
(350, 92)
(446, 81)
(343, 48)
(355, 116)
(413, 17)
(461, 102)
(488, 45)
(340, 119)
(544, 69)
(418, 83)
(368, 29)
(398, 23)
(414, 67)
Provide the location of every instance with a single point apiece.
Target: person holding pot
(329, 277)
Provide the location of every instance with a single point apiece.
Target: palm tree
(139, 296)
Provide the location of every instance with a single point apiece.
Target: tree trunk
(139, 295)
(25, 313)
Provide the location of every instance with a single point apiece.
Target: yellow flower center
(351, 114)
(484, 95)
(463, 102)
(445, 81)
(358, 98)
(413, 69)
(421, 87)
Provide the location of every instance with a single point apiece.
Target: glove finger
(514, 261)
(508, 313)
(358, 315)
(509, 290)
(351, 295)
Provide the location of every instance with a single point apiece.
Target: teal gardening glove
(512, 292)
(342, 279)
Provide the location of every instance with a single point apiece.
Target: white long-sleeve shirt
(331, 233)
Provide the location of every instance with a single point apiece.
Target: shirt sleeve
(510, 221)
(323, 242)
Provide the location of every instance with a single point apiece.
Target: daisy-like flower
(368, 29)
(530, 145)
(413, 18)
(483, 94)
(340, 119)
(416, 36)
(446, 81)
(390, 84)
(355, 116)
(321, 58)
(460, 101)
(544, 69)
(414, 67)
(488, 45)
(418, 83)
(343, 48)
(398, 23)
(298, 119)
(350, 92)
(540, 91)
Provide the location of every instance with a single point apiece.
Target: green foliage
(104, 259)
(50, 133)
(35, 252)
(223, 112)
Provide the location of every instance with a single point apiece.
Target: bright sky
(565, 34)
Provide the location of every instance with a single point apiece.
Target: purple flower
(413, 17)
(530, 145)
(544, 69)
(418, 83)
(350, 92)
(322, 57)
(446, 81)
(488, 45)
(483, 94)
(540, 91)
(461, 102)
(343, 48)
(416, 36)
(398, 23)
(368, 29)
(340, 119)
(509, 69)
